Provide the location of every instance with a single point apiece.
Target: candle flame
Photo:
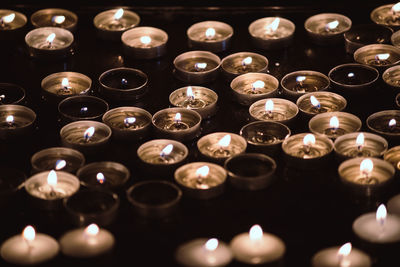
(60, 164)
(315, 102)
(51, 37)
(396, 7)
(10, 119)
(210, 33)
(381, 214)
(366, 166)
(178, 117)
(256, 232)
(332, 25)
(9, 18)
(52, 178)
(334, 122)
(29, 233)
(88, 133)
(225, 141)
(247, 61)
(309, 140)
(118, 14)
(273, 26)
(382, 56)
(65, 82)
(392, 123)
(200, 66)
(211, 244)
(360, 139)
(269, 105)
(129, 120)
(189, 92)
(92, 229)
(58, 19)
(167, 150)
(203, 171)
(258, 84)
(300, 78)
(145, 40)
(100, 177)
(350, 75)
(345, 250)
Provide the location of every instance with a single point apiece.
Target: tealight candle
(391, 77)
(201, 180)
(250, 87)
(112, 23)
(145, 42)
(380, 56)
(257, 247)
(220, 146)
(200, 99)
(334, 124)
(327, 28)
(49, 43)
(29, 248)
(386, 124)
(11, 93)
(57, 158)
(204, 252)
(365, 34)
(243, 62)
(177, 123)
(297, 83)
(393, 157)
(315, 103)
(11, 24)
(274, 109)
(55, 17)
(88, 242)
(272, 32)
(387, 15)
(197, 67)
(16, 122)
(212, 36)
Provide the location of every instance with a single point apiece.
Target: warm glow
(100, 177)
(167, 150)
(315, 102)
(178, 117)
(334, 122)
(200, 66)
(60, 164)
(202, 171)
(299, 79)
(247, 61)
(211, 244)
(10, 119)
(58, 19)
(119, 14)
(210, 33)
(381, 214)
(51, 37)
(9, 18)
(273, 26)
(360, 139)
(256, 232)
(366, 166)
(65, 82)
(29, 233)
(396, 7)
(145, 40)
(92, 229)
(269, 105)
(129, 120)
(350, 75)
(225, 141)
(332, 25)
(345, 250)
(52, 178)
(88, 133)
(258, 84)
(382, 56)
(189, 92)
(309, 139)
(392, 123)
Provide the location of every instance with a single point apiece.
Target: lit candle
(334, 124)
(243, 62)
(7, 19)
(380, 56)
(274, 109)
(55, 17)
(57, 158)
(212, 36)
(387, 15)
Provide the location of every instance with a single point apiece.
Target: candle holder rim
(308, 95)
(103, 165)
(349, 162)
(304, 72)
(126, 108)
(137, 71)
(276, 100)
(252, 25)
(113, 10)
(354, 135)
(365, 48)
(49, 11)
(83, 97)
(353, 65)
(168, 141)
(265, 59)
(238, 137)
(68, 74)
(215, 58)
(251, 74)
(176, 110)
(336, 15)
(200, 163)
(241, 132)
(17, 13)
(337, 114)
(88, 123)
(52, 29)
(70, 151)
(261, 156)
(176, 91)
(11, 107)
(223, 24)
(19, 88)
(376, 114)
(133, 30)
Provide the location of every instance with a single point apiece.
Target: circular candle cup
(284, 111)
(369, 55)
(359, 184)
(109, 28)
(78, 244)
(185, 129)
(201, 36)
(391, 77)
(250, 171)
(239, 63)
(384, 15)
(323, 30)
(21, 124)
(11, 93)
(348, 123)
(204, 100)
(53, 88)
(264, 36)
(154, 199)
(393, 157)
(395, 39)
(11, 181)
(379, 123)
(43, 248)
(393, 205)
(49, 158)
(365, 34)
(120, 121)
(328, 102)
(297, 155)
(39, 46)
(47, 196)
(194, 253)
(297, 83)
(197, 67)
(92, 206)
(115, 175)
(73, 136)
(55, 17)
(137, 46)
(265, 136)
(353, 79)
(210, 148)
(329, 257)
(9, 31)
(81, 107)
(250, 87)
(198, 186)
(123, 84)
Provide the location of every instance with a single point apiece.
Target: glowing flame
(258, 84)
(332, 25)
(58, 19)
(396, 7)
(60, 164)
(129, 120)
(210, 33)
(381, 214)
(167, 150)
(360, 139)
(382, 56)
(92, 229)
(118, 15)
(366, 166)
(350, 75)
(52, 178)
(345, 250)
(300, 79)
(211, 244)
(256, 232)
(65, 82)
(200, 66)
(273, 26)
(309, 139)
(10, 119)
(29, 233)
(145, 40)
(189, 92)
(225, 141)
(392, 123)
(247, 61)
(202, 171)
(9, 18)
(315, 102)
(178, 117)
(88, 133)
(334, 122)
(269, 105)
(51, 37)
(100, 177)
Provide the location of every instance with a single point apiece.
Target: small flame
(118, 15)
(381, 214)
(210, 33)
(51, 37)
(65, 82)
(225, 141)
(345, 250)
(300, 79)
(258, 84)
(9, 18)
(178, 117)
(200, 66)
(334, 122)
(350, 74)
(10, 119)
(60, 164)
(396, 7)
(392, 123)
(129, 120)
(100, 177)
(167, 150)
(382, 56)
(29, 233)
(256, 232)
(211, 244)
(92, 229)
(315, 102)
(366, 166)
(189, 92)
(52, 178)
(88, 133)
(273, 26)
(309, 140)
(247, 61)
(202, 171)
(269, 105)
(145, 40)
(58, 19)
(360, 139)
(332, 25)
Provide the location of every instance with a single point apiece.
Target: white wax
(194, 253)
(393, 205)
(329, 258)
(369, 229)
(268, 249)
(77, 244)
(16, 250)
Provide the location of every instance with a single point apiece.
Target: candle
(16, 122)
(11, 20)
(314, 103)
(243, 62)
(387, 15)
(212, 36)
(385, 123)
(88, 242)
(57, 158)
(11, 93)
(257, 247)
(334, 124)
(365, 34)
(55, 17)
(393, 157)
(380, 56)
(29, 248)
(274, 109)
(203, 252)
(297, 83)
(390, 77)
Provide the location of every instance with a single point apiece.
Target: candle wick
(29, 245)
(307, 149)
(270, 114)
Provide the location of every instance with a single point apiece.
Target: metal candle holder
(11, 93)
(380, 56)
(385, 16)
(386, 123)
(55, 17)
(365, 34)
(297, 83)
(9, 31)
(283, 111)
(321, 124)
(391, 77)
(325, 102)
(242, 63)
(58, 158)
(16, 122)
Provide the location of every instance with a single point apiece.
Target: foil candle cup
(128, 123)
(49, 43)
(92, 206)
(197, 67)
(387, 15)
(380, 56)
(393, 157)
(11, 24)
(154, 199)
(342, 256)
(81, 107)
(55, 17)
(57, 158)
(365, 34)
(112, 23)
(334, 124)
(272, 32)
(212, 36)
(250, 87)
(250, 171)
(11, 94)
(243, 62)
(315, 103)
(327, 28)
(274, 109)
(217, 147)
(391, 77)
(47, 189)
(16, 122)
(297, 83)
(177, 123)
(200, 99)
(201, 180)
(387, 124)
(144, 42)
